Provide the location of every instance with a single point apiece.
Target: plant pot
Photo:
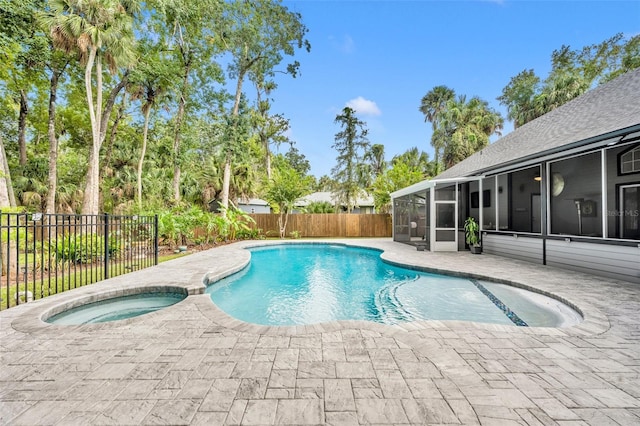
(476, 249)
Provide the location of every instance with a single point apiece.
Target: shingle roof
(253, 202)
(600, 111)
(328, 197)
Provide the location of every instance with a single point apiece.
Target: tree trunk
(226, 182)
(108, 106)
(53, 144)
(7, 198)
(91, 182)
(282, 223)
(145, 132)
(176, 151)
(176, 138)
(112, 135)
(91, 200)
(268, 160)
(22, 127)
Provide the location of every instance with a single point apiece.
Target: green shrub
(84, 249)
(294, 234)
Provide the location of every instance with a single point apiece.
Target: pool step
(389, 309)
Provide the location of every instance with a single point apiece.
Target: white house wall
(619, 262)
(523, 248)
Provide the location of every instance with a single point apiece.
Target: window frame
(631, 150)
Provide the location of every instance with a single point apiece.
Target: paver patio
(192, 364)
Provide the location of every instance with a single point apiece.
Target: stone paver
(193, 364)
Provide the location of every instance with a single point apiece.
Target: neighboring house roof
(252, 202)
(608, 111)
(328, 197)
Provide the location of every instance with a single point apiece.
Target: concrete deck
(192, 364)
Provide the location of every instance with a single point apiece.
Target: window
(630, 211)
(630, 161)
(576, 195)
(518, 197)
(401, 210)
(489, 200)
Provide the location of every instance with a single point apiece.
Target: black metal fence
(43, 254)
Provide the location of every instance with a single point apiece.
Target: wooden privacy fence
(327, 224)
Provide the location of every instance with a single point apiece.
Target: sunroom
(563, 190)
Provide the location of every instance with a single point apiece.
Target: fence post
(155, 240)
(106, 246)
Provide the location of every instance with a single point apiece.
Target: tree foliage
(257, 34)
(351, 143)
(460, 127)
(284, 188)
(573, 72)
(126, 106)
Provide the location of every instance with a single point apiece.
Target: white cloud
(348, 45)
(364, 106)
(344, 45)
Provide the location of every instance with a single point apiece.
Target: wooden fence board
(328, 225)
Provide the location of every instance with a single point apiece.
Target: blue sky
(381, 57)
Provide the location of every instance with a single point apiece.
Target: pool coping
(28, 318)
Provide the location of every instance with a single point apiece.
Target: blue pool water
(116, 308)
(297, 284)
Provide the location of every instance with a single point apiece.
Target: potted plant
(472, 235)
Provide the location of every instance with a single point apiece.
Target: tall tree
(432, 106)
(375, 157)
(351, 143)
(151, 81)
(519, 97)
(467, 127)
(193, 32)
(271, 129)
(325, 183)
(57, 65)
(7, 199)
(416, 160)
(297, 160)
(98, 30)
(257, 34)
(22, 48)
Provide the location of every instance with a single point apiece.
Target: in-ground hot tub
(110, 306)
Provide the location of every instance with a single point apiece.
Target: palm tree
(415, 160)
(432, 106)
(558, 90)
(468, 126)
(375, 157)
(98, 30)
(151, 82)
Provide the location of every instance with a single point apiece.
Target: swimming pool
(294, 284)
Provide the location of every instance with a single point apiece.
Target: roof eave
(606, 139)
